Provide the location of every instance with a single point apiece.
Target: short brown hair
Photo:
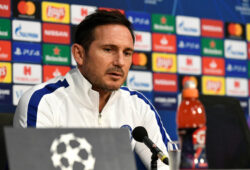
(84, 32)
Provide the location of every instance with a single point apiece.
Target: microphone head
(139, 133)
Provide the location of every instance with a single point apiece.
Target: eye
(128, 54)
(107, 49)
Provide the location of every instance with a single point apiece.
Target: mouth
(115, 75)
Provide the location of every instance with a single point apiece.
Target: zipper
(99, 119)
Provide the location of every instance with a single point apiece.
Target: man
(90, 95)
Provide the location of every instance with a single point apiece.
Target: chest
(113, 115)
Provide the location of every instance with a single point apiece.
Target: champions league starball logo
(70, 152)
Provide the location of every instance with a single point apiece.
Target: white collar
(83, 89)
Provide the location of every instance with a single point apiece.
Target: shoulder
(125, 91)
(34, 100)
(38, 91)
(135, 96)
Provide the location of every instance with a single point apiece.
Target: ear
(78, 53)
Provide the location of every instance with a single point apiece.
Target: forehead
(112, 33)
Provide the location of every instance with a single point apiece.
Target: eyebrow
(129, 49)
(114, 46)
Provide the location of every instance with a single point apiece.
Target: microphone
(140, 134)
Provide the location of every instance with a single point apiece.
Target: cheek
(95, 63)
(128, 65)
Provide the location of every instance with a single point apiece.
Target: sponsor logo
(140, 80)
(248, 31)
(141, 61)
(26, 30)
(5, 50)
(164, 62)
(56, 54)
(56, 33)
(18, 91)
(188, 45)
(235, 31)
(142, 41)
(235, 49)
(163, 23)
(5, 29)
(112, 9)
(244, 104)
(140, 20)
(5, 94)
(188, 25)
(79, 12)
(212, 28)
(55, 12)
(248, 50)
(50, 71)
(5, 72)
(189, 64)
(165, 82)
(236, 68)
(26, 52)
(237, 87)
(199, 137)
(213, 47)
(213, 85)
(27, 73)
(5, 8)
(248, 66)
(72, 152)
(213, 66)
(27, 70)
(164, 43)
(165, 101)
(26, 9)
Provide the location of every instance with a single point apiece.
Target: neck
(103, 98)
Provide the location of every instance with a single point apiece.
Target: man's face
(107, 62)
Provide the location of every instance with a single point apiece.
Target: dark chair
(6, 119)
(228, 136)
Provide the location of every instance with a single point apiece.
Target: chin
(113, 87)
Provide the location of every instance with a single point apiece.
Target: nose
(119, 59)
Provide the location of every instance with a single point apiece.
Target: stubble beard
(99, 84)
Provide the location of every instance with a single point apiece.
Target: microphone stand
(154, 158)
